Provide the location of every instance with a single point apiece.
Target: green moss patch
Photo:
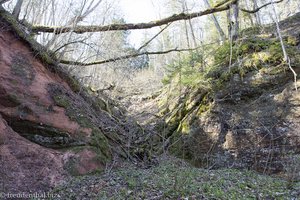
(22, 68)
(9, 100)
(61, 101)
(71, 166)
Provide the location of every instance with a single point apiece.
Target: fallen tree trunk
(130, 26)
(224, 5)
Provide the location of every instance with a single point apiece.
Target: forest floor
(174, 179)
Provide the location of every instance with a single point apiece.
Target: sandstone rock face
(47, 131)
(26, 166)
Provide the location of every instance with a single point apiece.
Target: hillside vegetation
(238, 108)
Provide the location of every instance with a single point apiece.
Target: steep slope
(242, 116)
(51, 127)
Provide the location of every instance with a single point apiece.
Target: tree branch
(257, 9)
(221, 3)
(131, 26)
(66, 44)
(68, 62)
(149, 41)
(3, 1)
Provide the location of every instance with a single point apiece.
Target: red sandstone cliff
(49, 130)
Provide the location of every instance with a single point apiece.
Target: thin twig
(257, 9)
(149, 41)
(285, 55)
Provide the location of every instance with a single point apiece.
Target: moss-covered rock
(22, 68)
(9, 99)
(214, 111)
(80, 114)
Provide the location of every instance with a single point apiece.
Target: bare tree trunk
(257, 16)
(17, 9)
(191, 27)
(193, 33)
(187, 34)
(235, 27)
(156, 23)
(233, 21)
(248, 5)
(217, 25)
(68, 62)
(229, 28)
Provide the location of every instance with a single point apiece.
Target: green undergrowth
(245, 55)
(177, 180)
(186, 70)
(249, 55)
(183, 182)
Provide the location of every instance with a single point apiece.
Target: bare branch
(88, 11)
(4, 1)
(149, 41)
(257, 9)
(221, 3)
(131, 26)
(69, 43)
(68, 62)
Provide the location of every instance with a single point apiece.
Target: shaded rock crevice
(44, 135)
